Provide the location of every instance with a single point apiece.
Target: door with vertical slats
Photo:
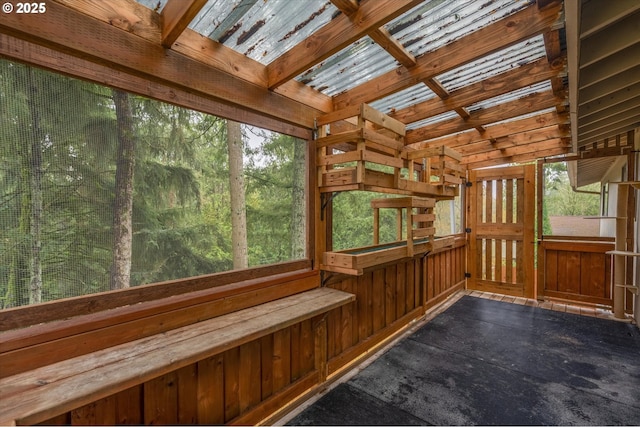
(501, 212)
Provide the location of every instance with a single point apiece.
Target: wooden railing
(575, 269)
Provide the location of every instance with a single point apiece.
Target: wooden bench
(40, 394)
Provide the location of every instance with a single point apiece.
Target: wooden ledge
(43, 393)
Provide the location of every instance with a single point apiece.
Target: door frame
(523, 228)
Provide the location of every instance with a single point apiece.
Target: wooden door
(501, 212)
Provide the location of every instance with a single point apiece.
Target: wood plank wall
(248, 383)
(388, 298)
(576, 270)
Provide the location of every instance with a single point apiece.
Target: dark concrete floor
(494, 363)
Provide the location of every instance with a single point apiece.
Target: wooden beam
(525, 105)
(22, 51)
(393, 47)
(176, 16)
(335, 36)
(508, 31)
(506, 82)
(497, 131)
(519, 139)
(103, 43)
(348, 7)
(518, 154)
(142, 21)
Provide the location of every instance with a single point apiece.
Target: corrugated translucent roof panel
(515, 56)
(439, 22)
(432, 120)
(263, 30)
(511, 96)
(353, 65)
(405, 98)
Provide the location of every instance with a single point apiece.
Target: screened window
(566, 210)
(102, 189)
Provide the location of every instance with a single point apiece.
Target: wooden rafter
(524, 138)
(555, 148)
(507, 110)
(386, 41)
(176, 16)
(333, 37)
(143, 22)
(508, 31)
(497, 131)
(525, 75)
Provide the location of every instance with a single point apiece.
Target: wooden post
(320, 344)
(619, 274)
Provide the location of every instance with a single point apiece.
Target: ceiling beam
(506, 82)
(496, 131)
(389, 43)
(105, 44)
(523, 138)
(176, 16)
(521, 158)
(504, 111)
(144, 22)
(499, 35)
(333, 37)
(516, 150)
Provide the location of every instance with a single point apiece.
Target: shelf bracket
(325, 200)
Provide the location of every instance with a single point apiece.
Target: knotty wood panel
(263, 374)
(215, 390)
(576, 270)
(388, 297)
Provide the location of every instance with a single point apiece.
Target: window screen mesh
(70, 155)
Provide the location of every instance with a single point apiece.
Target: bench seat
(40, 394)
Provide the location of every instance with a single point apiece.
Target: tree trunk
(238, 207)
(36, 172)
(298, 200)
(123, 204)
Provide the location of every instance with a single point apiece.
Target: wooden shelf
(374, 142)
(624, 253)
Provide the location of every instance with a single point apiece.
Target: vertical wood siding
(576, 270)
(388, 298)
(249, 382)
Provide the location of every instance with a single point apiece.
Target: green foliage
(561, 200)
(181, 217)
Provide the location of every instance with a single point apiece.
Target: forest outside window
(102, 189)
